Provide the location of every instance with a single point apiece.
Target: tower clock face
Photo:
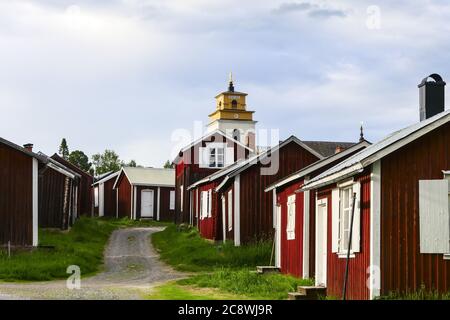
(236, 116)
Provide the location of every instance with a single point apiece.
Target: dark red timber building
(19, 171)
(58, 195)
(401, 230)
(238, 209)
(105, 196)
(294, 213)
(145, 193)
(85, 192)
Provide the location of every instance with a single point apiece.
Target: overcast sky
(125, 74)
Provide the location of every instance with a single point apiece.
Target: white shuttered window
(342, 206)
(290, 229)
(434, 216)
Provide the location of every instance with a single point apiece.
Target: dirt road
(132, 268)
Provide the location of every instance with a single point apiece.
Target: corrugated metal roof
(150, 176)
(362, 158)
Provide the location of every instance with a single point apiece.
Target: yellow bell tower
(232, 117)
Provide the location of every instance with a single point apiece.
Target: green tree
(132, 163)
(80, 159)
(64, 149)
(168, 165)
(105, 162)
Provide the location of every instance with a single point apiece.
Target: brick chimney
(28, 147)
(339, 149)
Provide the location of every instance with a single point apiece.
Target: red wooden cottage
(401, 229)
(237, 208)
(145, 193)
(294, 214)
(206, 155)
(105, 196)
(19, 171)
(85, 192)
(58, 195)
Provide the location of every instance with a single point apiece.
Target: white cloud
(124, 74)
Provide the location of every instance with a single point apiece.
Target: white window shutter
(335, 220)
(210, 202)
(229, 156)
(356, 236)
(204, 205)
(434, 216)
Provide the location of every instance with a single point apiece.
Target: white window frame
(447, 176)
(181, 198)
(230, 210)
(96, 195)
(215, 155)
(345, 215)
(209, 203)
(290, 213)
(338, 209)
(172, 200)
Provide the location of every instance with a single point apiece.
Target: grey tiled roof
(328, 148)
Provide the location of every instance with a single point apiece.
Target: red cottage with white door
(145, 193)
(295, 211)
(401, 230)
(240, 210)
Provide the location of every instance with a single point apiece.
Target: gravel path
(132, 269)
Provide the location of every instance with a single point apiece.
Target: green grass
(174, 291)
(224, 267)
(421, 294)
(187, 251)
(271, 286)
(83, 246)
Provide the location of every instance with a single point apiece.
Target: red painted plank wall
(403, 267)
(356, 285)
(124, 197)
(210, 228)
(16, 206)
(292, 250)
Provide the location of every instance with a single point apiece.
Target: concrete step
(267, 269)
(312, 292)
(297, 296)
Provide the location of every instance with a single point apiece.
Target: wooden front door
(147, 204)
(321, 243)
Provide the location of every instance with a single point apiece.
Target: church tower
(232, 117)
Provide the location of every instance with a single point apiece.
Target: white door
(321, 243)
(278, 237)
(147, 204)
(101, 200)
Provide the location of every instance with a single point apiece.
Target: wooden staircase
(308, 293)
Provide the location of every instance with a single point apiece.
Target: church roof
(328, 148)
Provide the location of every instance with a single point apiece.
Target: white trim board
(35, 206)
(375, 231)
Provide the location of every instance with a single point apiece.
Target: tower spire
(361, 133)
(230, 82)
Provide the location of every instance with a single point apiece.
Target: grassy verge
(187, 251)
(175, 291)
(421, 294)
(223, 267)
(83, 246)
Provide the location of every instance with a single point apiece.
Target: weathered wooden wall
(16, 211)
